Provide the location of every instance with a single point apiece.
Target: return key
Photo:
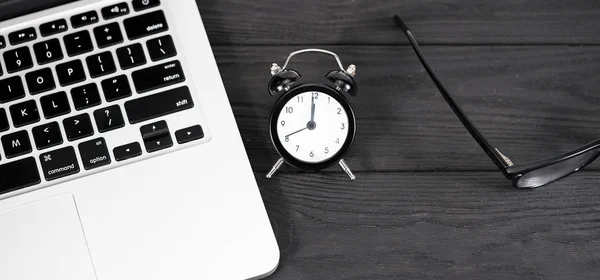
(158, 76)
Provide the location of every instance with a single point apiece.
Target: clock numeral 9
(327, 150)
(312, 154)
(343, 126)
(282, 123)
(289, 110)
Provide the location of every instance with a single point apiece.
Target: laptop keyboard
(69, 85)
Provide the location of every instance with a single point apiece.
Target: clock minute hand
(312, 110)
(296, 132)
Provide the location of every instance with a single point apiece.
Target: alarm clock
(312, 125)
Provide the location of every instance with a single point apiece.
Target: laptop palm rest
(44, 240)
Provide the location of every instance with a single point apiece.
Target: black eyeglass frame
(510, 171)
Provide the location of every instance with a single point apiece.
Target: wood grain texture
(433, 226)
(428, 203)
(532, 102)
(358, 22)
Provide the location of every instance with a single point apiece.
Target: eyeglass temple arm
(498, 158)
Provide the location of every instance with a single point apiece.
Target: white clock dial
(313, 126)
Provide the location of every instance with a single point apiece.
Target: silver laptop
(119, 155)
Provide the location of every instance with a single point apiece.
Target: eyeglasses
(527, 176)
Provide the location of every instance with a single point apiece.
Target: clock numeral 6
(289, 110)
(312, 154)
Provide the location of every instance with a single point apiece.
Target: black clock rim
(287, 157)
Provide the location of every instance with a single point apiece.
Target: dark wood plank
(533, 102)
(433, 225)
(273, 22)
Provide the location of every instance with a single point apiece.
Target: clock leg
(275, 168)
(347, 170)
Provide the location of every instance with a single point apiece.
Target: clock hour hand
(296, 132)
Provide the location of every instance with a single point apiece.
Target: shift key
(158, 76)
(159, 104)
(59, 163)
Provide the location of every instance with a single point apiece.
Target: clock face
(313, 126)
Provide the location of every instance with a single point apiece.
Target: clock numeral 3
(343, 126)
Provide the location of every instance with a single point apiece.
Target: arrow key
(46, 136)
(158, 143)
(189, 134)
(128, 151)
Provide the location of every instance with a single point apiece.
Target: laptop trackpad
(44, 240)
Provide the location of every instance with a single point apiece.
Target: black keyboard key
(2, 43)
(131, 56)
(22, 36)
(108, 35)
(116, 88)
(3, 120)
(18, 59)
(16, 144)
(46, 136)
(144, 25)
(161, 48)
(158, 76)
(108, 119)
(78, 43)
(78, 127)
(86, 96)
(140, 5)
(189, 134)
(53, 27)
(70, 73)
(101, 64)
(40, 81)
(159, 143)
(55, 105)
(154, 130)
(19, 174)
(128, 151)
(114, 11)
(48, 51)
(60, 163)
(24, 113)
(11, 89)
(94, 154)
(84, 19)
(158, 105)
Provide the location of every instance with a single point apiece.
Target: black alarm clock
(312, 125)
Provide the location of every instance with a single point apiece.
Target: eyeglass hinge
(505, 158)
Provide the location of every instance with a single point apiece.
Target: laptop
(120, 157)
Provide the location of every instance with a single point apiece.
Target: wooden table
(427, 203)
